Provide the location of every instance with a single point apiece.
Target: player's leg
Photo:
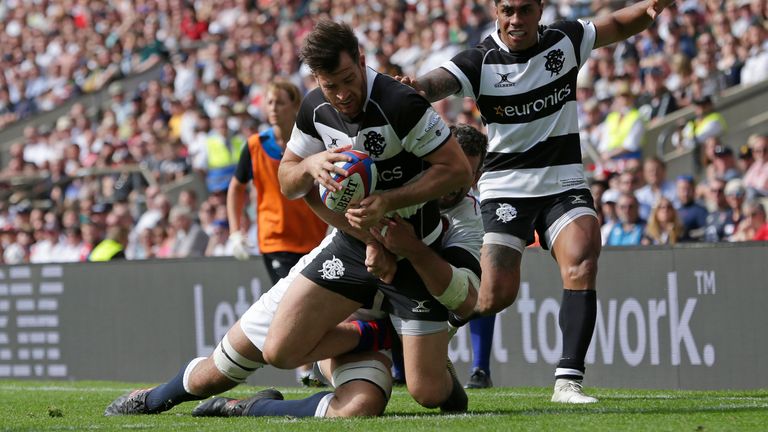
(329, 286)
(303, 325)
(278, 266)
(421, 322)
(500, 260)
(481, 334)
(362, 383)
(429, 383)
(232, 361)
(576, 248)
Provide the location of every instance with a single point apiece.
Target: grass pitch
(78, 406)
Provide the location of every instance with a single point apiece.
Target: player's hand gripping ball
(360, 182)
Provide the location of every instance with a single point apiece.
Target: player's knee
(580, 273)
(233, 365)
(369, 403)
(496, 295)
(428, 396)
(280, 356)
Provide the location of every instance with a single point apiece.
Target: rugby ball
(360, 182)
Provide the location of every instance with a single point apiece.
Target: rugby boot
(229, 407)
(133, 402)
(570, 391)
(478, 380)
(457, 402)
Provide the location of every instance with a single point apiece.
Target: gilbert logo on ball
(360, 182)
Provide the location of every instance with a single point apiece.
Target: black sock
(168, 395)
(578, 312)
(296, 408)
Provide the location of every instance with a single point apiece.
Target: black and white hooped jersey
(398, 127)
(528, 102)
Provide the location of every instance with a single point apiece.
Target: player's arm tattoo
(438, 84)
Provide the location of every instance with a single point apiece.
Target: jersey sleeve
(465, 229)
(466, 67)
(587, 41)
(304, 140)
(429, 133)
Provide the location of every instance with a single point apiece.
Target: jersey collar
(370, 76)
(502, 45)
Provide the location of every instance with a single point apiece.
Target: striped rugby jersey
(528, 102)
(398, 127)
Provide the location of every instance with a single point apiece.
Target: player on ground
(523, 79)
(417, 160)
(361, 379)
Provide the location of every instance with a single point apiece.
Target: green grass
(78, 406)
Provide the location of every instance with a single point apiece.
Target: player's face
(451, 199)
(344, 88)
(518, 23)
(280, 108)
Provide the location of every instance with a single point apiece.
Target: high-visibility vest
(219, 154)
(618, 127)
(283, 225)
(704, 122)
(105, 250)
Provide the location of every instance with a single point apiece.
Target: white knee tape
(372, 371)
(456, 291)
(232, 364)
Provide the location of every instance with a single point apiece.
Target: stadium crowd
(217, 61)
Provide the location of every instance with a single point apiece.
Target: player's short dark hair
(471, 140)
(325, 43)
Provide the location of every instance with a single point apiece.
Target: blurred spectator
(719, 220)
(608, 213)
(754, 225)
(731, 61)
(48, 248)
(724, 164)
(734, 196)
(219, 244)
(190, 239)
(623, 129)
(664, 226)
(756, 66)
(628, 231)
(656, 100)
(707, 123)
(112, 247)
(745, 159)
(222, 151)
(656, 185)
(756, 177)
(692, 215)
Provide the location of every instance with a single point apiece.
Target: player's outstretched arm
(628, 21)
(434, 85)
